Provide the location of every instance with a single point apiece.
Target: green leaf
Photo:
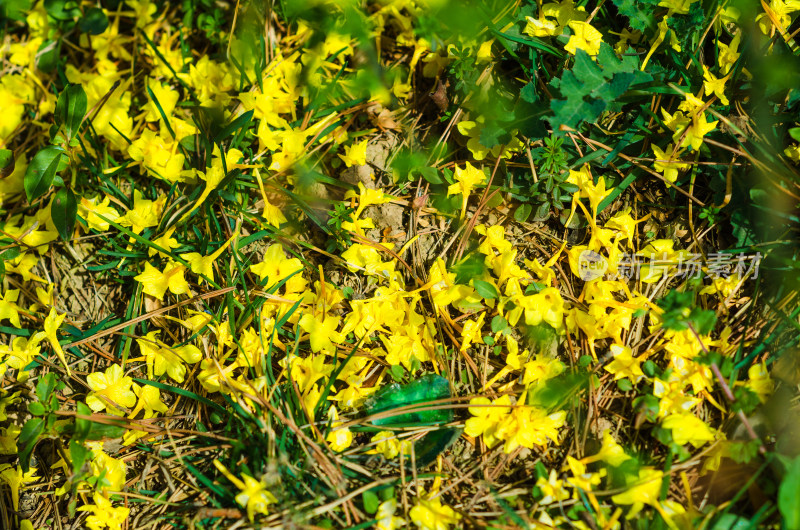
(64, 212)
(592, 87)
(794, 132)
(47, 55)
(15, 9)
(499, 323)
(36, 408)
(42, 170)
(78, 453)
(70, 109)
(28, 438)
(371, 501)
(649, 368)
(523, 212)
(731, 521)
(7, 162)
(528, 93)
(678, 315)
(485, 289)
(94, 21)
(430, 174)
(45, 386)
(789, 494)
(640, 13)
(59, 9)
(86, 429)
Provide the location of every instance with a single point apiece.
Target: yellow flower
(487, 415)
(276, 267)
(215, 174)
(306, 371)
(368, 259)
(695, 133)
(111, 469)
(104, 515)
(165, 241)
(610, 452)
(552, 489)
(471, 332)
(166, 97)
(588, 189)
(667, 165)
(541, 27)
(367, 197)
(688, 428)
(580, 479)
(472, 130)
(527, 426)
(466, 180)
(109, 390)
(642, 489)
(624, 364)
(781, 13)
(9, 308)
(149, 401)
(202, 265)
(159, 155)
(729, 53)
(145, 213)
(714, 85)
(51, 325)
(760, 382)
(15, 479)
(584, 37)
(355, 155)
(389, 445)
(89, 209)
(385, 517)
(155, 283)
(433, 515)
(339, 438)
(253, 496)
(322, 333)
(164, 359)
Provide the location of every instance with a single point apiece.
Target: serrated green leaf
(593, 87)
(528, 93)
(639, 13)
